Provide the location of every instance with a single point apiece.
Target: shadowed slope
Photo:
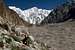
(62, 13)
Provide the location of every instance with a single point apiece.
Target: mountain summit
(32, 15)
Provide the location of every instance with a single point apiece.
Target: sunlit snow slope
(32, 15)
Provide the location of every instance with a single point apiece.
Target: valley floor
(59, 36)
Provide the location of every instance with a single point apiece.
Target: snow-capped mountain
(32, 15)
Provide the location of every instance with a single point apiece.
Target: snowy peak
(38, 11)
(18, 10)
(32, 15)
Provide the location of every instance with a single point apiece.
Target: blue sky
(25, 4)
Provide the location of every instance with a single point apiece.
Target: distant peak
(32, 15)
(35, 7)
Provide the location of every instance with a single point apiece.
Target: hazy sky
(25, 4)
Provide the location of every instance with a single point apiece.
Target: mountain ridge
(61, 14)
(32, 15)
(10, 17)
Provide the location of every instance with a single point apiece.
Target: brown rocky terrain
(13, 32)
(60, 36)
(11, 17)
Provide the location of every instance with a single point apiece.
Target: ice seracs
(32, 15)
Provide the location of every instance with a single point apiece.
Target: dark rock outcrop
(72, 12)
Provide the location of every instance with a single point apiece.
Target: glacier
(32, 15)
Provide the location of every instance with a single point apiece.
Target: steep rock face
(11, 17)
(2, 6)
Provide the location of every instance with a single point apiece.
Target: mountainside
(10, 17)
(13, 32)
(56, 33)
(32, 15)
(62, 13)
